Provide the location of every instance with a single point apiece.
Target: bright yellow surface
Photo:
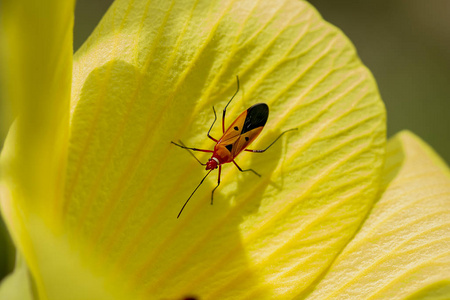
(36, 64)
(17, 285)
(149, 74)
(402, 251)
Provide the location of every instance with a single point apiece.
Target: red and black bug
(241, 133)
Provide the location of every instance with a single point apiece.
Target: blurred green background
(405, 43)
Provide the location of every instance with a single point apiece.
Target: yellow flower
(91, 185)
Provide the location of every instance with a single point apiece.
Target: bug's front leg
(190, 152)
(194, 149)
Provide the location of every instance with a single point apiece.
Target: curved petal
(149, 74)
(36, 60)
(36, 70)
(17, 285)
(402, 250)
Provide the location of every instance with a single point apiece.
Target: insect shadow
(250, 189)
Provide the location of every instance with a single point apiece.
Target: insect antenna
(193, 193)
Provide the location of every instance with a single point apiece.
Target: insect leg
(190, 152)
(195, 149)
(256, 173)
(225, 109)
(261, 151)
(193, 194)
(218, 182)
(215, 118)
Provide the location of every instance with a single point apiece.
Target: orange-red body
(241, 133)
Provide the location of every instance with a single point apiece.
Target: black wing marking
(256, 117)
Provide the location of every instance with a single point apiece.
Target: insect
(239, 135)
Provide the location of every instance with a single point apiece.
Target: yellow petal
(402, 250)
(36, 60)
(17, 285)
(149, 74)
(37, 67)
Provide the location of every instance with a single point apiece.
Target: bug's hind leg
(263, 150)
(218, 182)
(256, 173)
